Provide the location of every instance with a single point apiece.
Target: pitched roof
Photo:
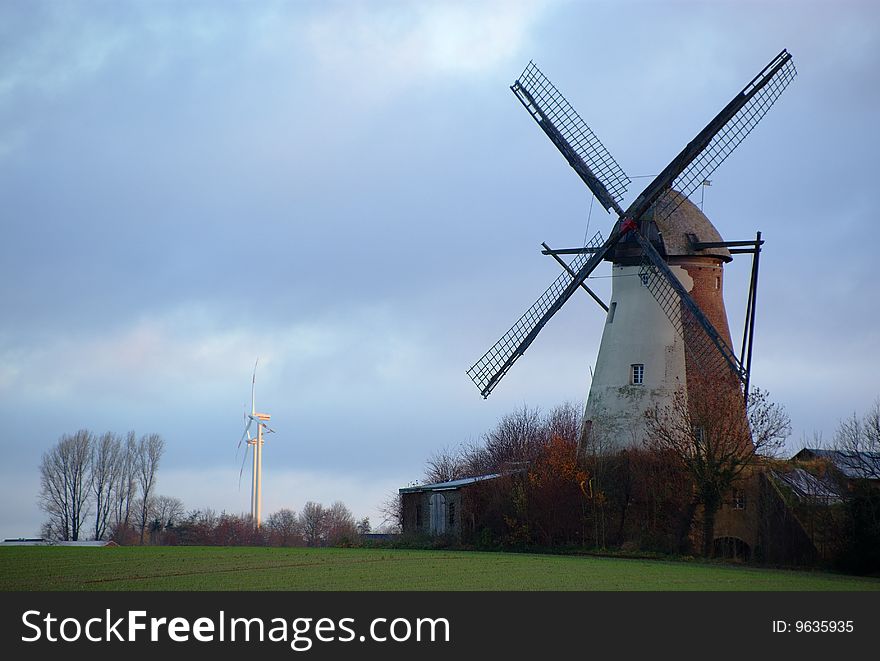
(807, 486)
(853, 465)
(447, 486)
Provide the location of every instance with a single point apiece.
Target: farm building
(780, 512)
(436, 509)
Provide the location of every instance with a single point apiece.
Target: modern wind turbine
(255, 444)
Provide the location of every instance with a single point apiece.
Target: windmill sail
(700, 157)
(571, 135)
(711, 146)
(488, 370)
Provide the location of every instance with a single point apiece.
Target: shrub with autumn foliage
(555, 496)
(631, 499)
(542, 504)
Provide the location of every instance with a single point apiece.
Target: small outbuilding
(436, 509)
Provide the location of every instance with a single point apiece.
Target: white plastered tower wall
(638, 332)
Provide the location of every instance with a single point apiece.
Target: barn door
(438, 514)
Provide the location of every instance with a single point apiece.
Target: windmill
(638, 247)
(255, 445)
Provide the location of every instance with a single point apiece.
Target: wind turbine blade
(253, 387)
(243, 434)
(241, 470)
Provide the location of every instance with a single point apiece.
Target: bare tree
(64, 485)
(516, 441)
(149, 452)
(339, 525)
(125, 490)
(166, 510)
(364, 527)
(872, 427)
(813, 440)
(445, 466)
(858, 442)
(51, 529)
(517, 438)
(476, 460)
(392, 513)
(714, 438)
(105, 460)
(564, 421)
(769, 424)
(283, 528)
(312, 521)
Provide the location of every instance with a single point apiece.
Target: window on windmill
(637, 374)
(717, 282)
(611, 310)
(739, 499)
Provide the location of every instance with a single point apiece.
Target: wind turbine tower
(256, 445)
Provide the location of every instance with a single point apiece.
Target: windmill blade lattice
(700, 157)
(489, 369)
(571, 135)
(747, 108)
(702, 341)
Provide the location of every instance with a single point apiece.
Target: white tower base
(641, 364)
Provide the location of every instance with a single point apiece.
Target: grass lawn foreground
(245, 568)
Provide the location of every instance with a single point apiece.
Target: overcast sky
(351, 192)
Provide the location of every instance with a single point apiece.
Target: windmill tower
(255, 446)
(643, 357)
(666, 327)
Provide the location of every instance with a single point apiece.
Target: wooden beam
(553, 254)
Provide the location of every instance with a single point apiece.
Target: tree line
(315, 525)
(101, 485)
(858, 441)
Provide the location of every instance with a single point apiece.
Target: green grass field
(213, 568)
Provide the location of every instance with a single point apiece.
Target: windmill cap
(685, 226)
